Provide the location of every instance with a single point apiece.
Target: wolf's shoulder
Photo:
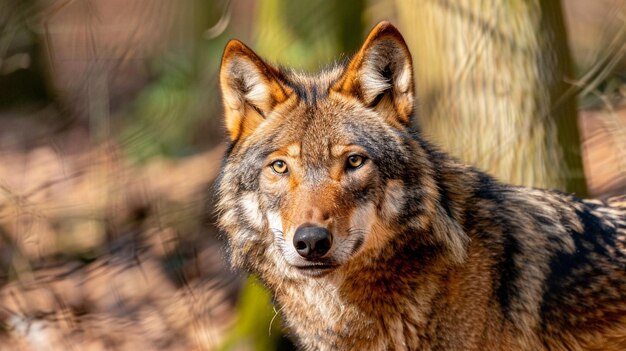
(540, 214)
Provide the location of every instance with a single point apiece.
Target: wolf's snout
(312, 241)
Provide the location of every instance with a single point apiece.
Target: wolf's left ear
(381, 74)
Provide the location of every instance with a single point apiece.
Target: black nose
(311, 241)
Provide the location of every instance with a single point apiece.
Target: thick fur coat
(411, 249)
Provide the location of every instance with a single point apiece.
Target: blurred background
(111, 136)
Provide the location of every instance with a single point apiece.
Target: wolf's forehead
(315, 146)
(311, 88)
(316, 140)
(317, 132)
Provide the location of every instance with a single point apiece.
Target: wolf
(370, 238)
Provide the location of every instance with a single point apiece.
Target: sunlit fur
(427, 253)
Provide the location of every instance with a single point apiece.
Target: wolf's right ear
(381, 74)
(250, 88)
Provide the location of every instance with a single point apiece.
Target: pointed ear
(250, 88)
(381, 74)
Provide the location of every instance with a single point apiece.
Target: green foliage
(162, 116)
(308, 34)
(258, 326)
(165, 115)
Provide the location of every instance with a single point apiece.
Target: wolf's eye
(355, 161)
(279, 167)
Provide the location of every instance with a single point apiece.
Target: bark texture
(491, 81)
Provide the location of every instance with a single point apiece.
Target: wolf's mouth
(316, 270)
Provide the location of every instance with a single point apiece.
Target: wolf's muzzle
(311, 241)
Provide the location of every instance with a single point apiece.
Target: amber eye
(279, 167)
(355, 161)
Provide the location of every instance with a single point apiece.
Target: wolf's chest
(322, 316)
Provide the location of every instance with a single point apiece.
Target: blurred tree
(491, 78)
(305, 34)
(22, 77)
(167, 114)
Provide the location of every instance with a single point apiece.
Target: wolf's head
(323, 169)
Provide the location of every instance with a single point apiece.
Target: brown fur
(426, 253)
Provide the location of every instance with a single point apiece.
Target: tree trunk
(490, 79)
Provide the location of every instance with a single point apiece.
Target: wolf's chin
(316, 270)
